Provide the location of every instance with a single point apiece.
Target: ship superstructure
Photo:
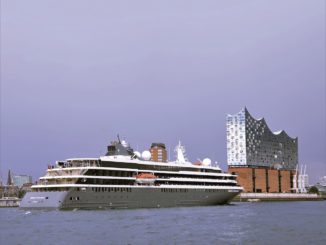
(124, 178)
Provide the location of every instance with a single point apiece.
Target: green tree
(313, 190)
(21, 193)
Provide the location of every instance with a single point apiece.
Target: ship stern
(43, 200)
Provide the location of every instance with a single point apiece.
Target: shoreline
(277, 197)
(9, 202)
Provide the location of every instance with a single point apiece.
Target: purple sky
(76, 73)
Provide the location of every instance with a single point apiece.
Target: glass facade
(20, 180)
(251, 143)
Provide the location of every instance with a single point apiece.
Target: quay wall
(243, 197)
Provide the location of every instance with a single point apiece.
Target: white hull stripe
(143, 171)
(135, 186)
(133, 178)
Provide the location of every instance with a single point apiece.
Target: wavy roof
(280, 132)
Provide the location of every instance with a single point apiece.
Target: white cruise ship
(125, 179)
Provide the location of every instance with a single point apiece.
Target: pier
(9, 202)
(257, 197)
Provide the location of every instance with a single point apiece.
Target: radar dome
(207, 162)
(146, 155)
(137, 154)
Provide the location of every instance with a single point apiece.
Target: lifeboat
(145, 178)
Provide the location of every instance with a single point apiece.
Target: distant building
(9, 178)
(20, 180)
(9, 191)
(264, 161)
(158, 152)
(321, 185)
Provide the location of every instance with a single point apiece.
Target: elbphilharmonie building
(250, 142)
(265, 161)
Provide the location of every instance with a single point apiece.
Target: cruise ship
(124, 178)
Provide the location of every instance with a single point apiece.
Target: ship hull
(146, 197)
(44, 199)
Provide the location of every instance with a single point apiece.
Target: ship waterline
(126, 197)
(121, 179)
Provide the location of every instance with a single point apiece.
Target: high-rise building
(20, 180)
(158, 152)
(265, 161)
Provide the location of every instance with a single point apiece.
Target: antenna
(180, 154)
(119, 139)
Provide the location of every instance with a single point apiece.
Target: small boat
(253, 200)
(145, 178)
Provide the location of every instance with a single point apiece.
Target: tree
(21, 193)
(313, 190)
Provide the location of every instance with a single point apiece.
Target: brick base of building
(265, 180)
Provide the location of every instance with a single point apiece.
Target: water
(240, 223)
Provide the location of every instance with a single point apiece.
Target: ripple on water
(243, 223)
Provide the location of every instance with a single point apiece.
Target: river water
(238, 223)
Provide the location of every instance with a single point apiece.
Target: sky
(76, 73)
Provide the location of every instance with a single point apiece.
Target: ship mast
(180, 154)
